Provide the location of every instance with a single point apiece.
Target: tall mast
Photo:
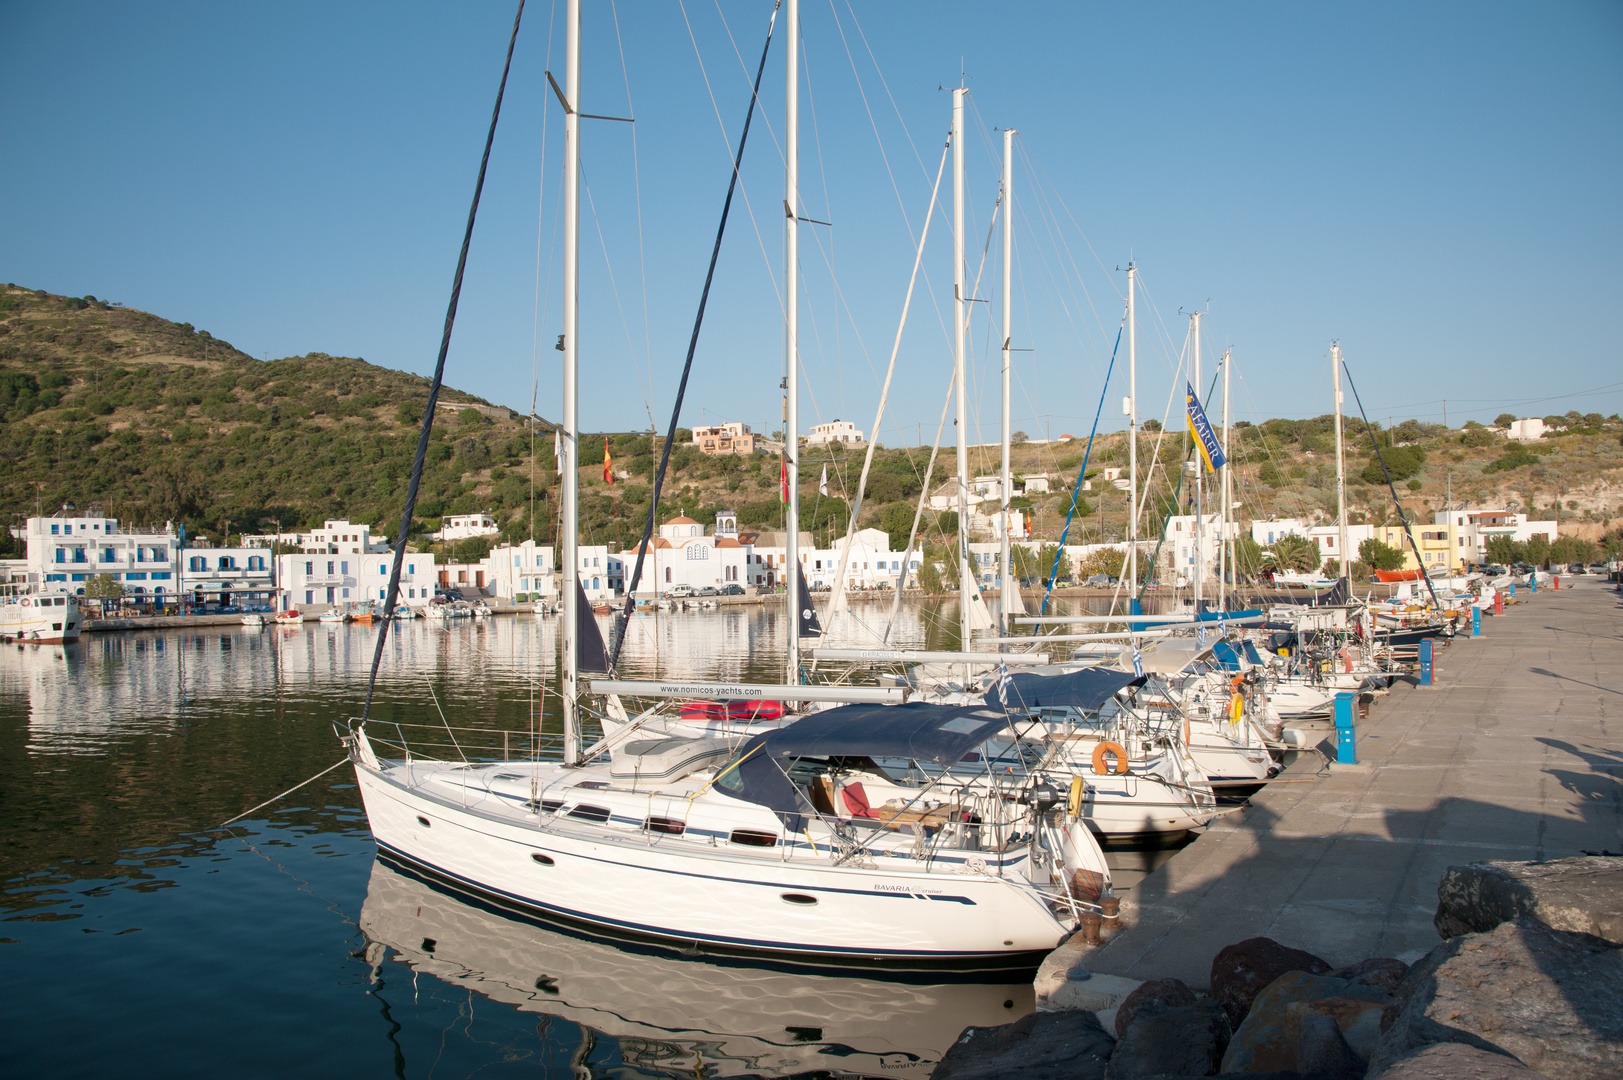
(1132, 433)
(1200, 552)
(1005, 566)
(571, 402)
(959, 332)
(1342, 559)
(791, 320)
(1224, 562)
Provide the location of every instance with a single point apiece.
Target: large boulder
(1269, 1037)
(1322, 1051)
(1583, 895)
(1171, 1040)
(1166, 991)
(1551, 999)
(1070, 1045)
(1240, 972)
(1457, 1061)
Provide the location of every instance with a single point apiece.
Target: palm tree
(1295, 553)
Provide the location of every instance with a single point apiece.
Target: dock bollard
(1426, 662)
(1346, 734)
(1476, 621)
(1498, 602)
(1091, 921)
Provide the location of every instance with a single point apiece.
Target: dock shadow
(1569, 678)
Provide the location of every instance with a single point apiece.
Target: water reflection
(675, 1016)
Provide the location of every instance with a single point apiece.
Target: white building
(1178, 545)
(870, 565)
(65, 552)
(1529, 430)
(683, 555)
(309, 579)
(338, 536)
(466, 527)
(1472, 529)
(221, 576)
(521, 570)
(602, 575)
(837, 431)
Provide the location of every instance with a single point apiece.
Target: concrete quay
(1515, 753)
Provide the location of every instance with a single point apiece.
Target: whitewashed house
(65, 551)
(308, 579)
(526, 569)
(836, 431)
(466, 527)
(338, 536)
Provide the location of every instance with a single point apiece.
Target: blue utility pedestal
(1532, 582)
(1476, 622)
(1425, 662)
(1346, 734)
(1513, 590)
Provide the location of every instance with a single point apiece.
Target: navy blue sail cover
(942, 734)
(1086, 689)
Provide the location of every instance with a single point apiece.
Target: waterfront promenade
(1516, 753)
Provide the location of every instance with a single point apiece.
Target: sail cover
(1087, 689)
(809, 626)
(919, 730)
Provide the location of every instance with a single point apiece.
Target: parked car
(708, 590)
(679, 592)
(447, 596)
(1597, 568)
(732, 590)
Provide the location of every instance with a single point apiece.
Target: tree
(1025, 563)
(1537, 549)
(1045, 564)
(1402, 462)
(103, 587)
(1380, 556)
(1293, 552)
(1504, 419)
(1476, 435)
(1247, 556)
(1107, 561)
(947, 522)
(1571, 549)
(930, 576)
(897, 521)
(1503, 549)
(1018, 437)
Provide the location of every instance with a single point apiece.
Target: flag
(783, 478)
(558, 451)
(1211, 452)
(1200, 636)
(1003, 682)
(1138, 663)
(822, 485)
(608, 464)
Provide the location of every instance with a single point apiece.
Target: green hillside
(155, 420)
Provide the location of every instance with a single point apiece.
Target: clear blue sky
(1436, 185)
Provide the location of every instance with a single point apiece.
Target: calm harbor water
(139, 937)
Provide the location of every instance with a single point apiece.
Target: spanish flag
(608, 464)
(1211, 451)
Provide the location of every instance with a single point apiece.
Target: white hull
(690, 893)
(41, 619)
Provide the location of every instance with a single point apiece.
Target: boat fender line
(1099, 764)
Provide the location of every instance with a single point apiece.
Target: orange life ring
(1104, 748)
(27, 602)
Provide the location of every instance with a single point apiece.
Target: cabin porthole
(798, 899)
(542, 860)
(424, 822)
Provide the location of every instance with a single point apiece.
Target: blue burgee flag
(1211, 451)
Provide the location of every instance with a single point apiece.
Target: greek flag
(1138, 663)
(1200, 636)
(1003, 681)
(1211, 451)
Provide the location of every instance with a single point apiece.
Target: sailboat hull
(639, 889)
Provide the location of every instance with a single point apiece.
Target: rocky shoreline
(1527, 983)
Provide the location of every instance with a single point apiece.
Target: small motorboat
(333, 616)
(292, 617)
(255, 618)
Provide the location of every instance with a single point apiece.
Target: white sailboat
(791, 845)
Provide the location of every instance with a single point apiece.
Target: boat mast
(959, 333)
(1224, 545)
(791, 315)
(1342, 561)
(1004, 564)
(1200, 564)
(571, 389)
(1132, 435)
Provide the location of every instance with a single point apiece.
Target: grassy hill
(156, 420)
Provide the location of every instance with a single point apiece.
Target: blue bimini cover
(942, 734)
(1087, 689)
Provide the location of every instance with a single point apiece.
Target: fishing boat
(290, 617)
(333, 616)
(46, 618)
(256, 619)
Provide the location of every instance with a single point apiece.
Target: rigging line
(1037, 168)
(1044, 197)
(924, 497)
(749, 209)
(341, 761)
(540, 226)
(642, 251)
(884, 394)
(1402, 516)
(1076, 489)
(882, 81)
(622, 618)
(439, 379)
(608, 265)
